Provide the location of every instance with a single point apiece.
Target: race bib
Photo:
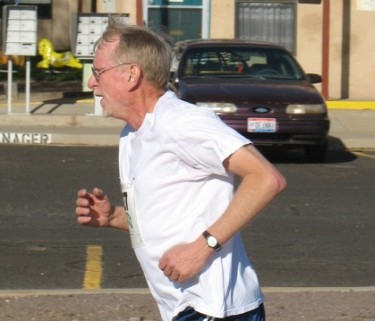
(131, 216)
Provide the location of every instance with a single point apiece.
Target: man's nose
(92, 83)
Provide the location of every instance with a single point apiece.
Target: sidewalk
(282, 304)
(76, 122)
(353, 123)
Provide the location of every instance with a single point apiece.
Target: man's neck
(144, 103)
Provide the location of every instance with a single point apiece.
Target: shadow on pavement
(337, 153)
(68, 98)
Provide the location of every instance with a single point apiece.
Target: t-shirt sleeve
(204, 141)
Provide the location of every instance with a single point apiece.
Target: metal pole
(27, 89)
(206, 19)
(145, 12)
(325, 49)
(10, 80)
(139, 13)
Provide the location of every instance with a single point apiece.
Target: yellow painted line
(3, 104)
(350, 104)
(86, 100)
(363, 154)
(37, 103)
(93, 270)
(331, 104)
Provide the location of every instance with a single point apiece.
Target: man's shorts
(189, 314)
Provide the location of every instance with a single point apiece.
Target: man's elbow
(278, 182)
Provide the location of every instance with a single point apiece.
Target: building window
(270, 21)
(180, 19)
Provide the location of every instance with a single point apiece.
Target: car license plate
(261, 125)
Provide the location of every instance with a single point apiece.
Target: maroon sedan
(259, 89)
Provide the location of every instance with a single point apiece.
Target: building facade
(331, 38)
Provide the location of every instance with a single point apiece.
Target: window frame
(269, 30)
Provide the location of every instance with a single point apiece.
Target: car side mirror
(315, 78)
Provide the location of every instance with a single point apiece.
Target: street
(318, 233)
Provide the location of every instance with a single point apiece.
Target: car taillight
(219, 108)
(306, 109)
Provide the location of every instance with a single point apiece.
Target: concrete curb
(331, 104)
(146, 291)
(72, 122)
(292, 304)
(51, 121)
(25, 293)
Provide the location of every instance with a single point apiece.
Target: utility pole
(139, 13)
(325, 49)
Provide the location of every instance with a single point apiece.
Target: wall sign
(366, 5)
(90, 27)
(20, 30)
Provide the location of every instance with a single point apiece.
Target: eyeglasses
(98, 71)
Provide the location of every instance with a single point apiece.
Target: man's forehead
(106, 48)
(109, 44)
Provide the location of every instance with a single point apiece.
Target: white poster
(366, 5)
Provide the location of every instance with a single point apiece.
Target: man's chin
(106, 113)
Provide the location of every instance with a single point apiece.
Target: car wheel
(316, 153)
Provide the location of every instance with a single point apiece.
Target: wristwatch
(212, 241)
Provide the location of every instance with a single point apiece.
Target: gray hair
(140, 45)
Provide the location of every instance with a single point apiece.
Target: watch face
(211, 241)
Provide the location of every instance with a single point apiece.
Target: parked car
(259, 89)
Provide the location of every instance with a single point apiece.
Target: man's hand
(93, 209)
(185, 261)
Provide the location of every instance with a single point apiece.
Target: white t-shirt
(176, 186)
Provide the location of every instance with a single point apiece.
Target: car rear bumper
(290, 132)
(295, 140)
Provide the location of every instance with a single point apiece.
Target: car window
(246, 62)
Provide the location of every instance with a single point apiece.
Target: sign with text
(25, 138)
(90, 27)
(20, 30)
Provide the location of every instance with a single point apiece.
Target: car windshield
(265, 63)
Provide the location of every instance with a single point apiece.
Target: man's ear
(135, 76)
(135, 73)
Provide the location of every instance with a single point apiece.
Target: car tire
(316, 153)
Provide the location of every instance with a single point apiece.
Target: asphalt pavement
(54, 118)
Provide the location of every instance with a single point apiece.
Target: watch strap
(207, 235)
